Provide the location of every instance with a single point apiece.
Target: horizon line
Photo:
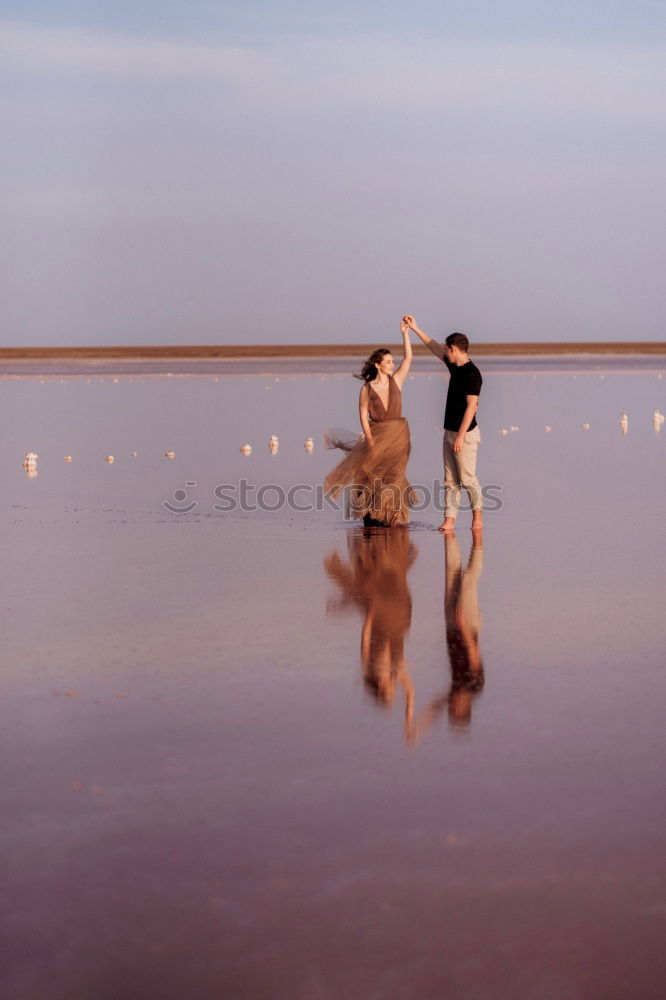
(241, 351)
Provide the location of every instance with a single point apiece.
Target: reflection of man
(461, 432)
(463, 625)
(375, 580)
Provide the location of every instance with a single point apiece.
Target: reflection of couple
(375, 466)
(374, 579)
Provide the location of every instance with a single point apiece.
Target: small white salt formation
(548, 428)
(115, 381)
(246, 449)
(67, 458)
(169, 454)
(109, 459)
(30, 465)
(274, 441)
(586, 427)
(624, 422)
(503, 431)
(657, 420)
(135, 454)
(30, 458)
(309, 444)
(514, 428)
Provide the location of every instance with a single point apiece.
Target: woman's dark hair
(369, 371)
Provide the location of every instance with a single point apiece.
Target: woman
(376, 462)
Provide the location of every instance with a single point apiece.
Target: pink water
(204, 795)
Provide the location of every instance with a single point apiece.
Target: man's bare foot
(448, 526)
(477, 520)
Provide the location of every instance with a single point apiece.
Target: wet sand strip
(202, 352)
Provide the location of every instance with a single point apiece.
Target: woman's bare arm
(400, 374)
(363, 414)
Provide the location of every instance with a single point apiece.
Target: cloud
(306, 77)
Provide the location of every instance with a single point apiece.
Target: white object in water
(548, 428)
(109, 459)
(586, 427)
(514, 428)
(309, 444)
(624, 422)
(503, 431)
(135, 454)
(30, 465)
(67, 458)
(169, 454)
(246, 449)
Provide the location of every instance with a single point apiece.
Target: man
(461, 432)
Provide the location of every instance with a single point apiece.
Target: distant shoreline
(245, 351)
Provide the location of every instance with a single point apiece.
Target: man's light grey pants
(460, 472)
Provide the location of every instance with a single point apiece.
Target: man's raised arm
(431, 344)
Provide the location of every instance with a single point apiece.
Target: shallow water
(263, 754)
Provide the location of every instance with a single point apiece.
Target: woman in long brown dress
(376, 463)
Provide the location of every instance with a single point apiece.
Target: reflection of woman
(375, 580)
(376, 464)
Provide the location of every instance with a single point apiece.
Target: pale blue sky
(291, 172)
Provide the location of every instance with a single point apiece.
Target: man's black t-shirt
(465, 381)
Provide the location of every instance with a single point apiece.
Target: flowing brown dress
(376, 476)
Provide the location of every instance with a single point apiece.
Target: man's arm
(431, 344)
(468, 416)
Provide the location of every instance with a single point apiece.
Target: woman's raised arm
(400, 374)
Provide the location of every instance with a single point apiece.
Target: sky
(305, 172)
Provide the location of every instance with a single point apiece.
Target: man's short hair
(458, 340)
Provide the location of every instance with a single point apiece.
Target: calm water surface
(264, 754)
